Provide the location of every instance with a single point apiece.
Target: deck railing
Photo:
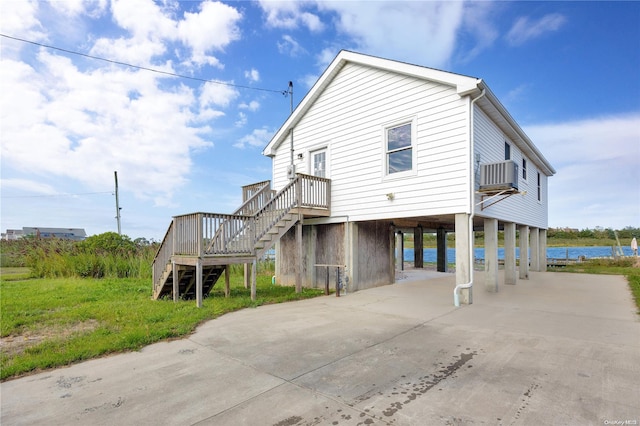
(255, 197)
(209, 234)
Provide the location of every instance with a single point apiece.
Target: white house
(410, 147)
(375, 149)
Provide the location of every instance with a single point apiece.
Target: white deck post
(543, 249)
(524, 251)
(491, 254)
(463, 268)
(535, 249)
(510, 274)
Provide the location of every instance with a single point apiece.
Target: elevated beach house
(376, 149)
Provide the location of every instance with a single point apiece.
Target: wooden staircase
(209, 242)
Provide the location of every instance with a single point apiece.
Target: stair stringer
(277, 231)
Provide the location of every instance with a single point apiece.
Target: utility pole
(117, 204)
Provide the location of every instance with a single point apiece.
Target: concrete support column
(491, 254)
(510, 274)
(418, 247)
(299, 257)
(535, 249)
(542, 236)
(351, 254)
(463, 267)
(523, 230)
(441, 244)
(400, 251)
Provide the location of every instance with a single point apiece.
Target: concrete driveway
(556, 349)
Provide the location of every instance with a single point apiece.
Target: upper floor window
(539, 188)
(524, 169)
(507, 151)
(399, 148)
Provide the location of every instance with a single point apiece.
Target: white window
(399, 148)
(524, 169)
(319, 163)
(539, 187)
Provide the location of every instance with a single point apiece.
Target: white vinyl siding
(524, 209)
(350, 113)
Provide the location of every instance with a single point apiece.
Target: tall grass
(106, 255)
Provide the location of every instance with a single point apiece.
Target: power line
(282, 92)
(57, 195)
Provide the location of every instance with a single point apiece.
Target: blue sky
(568, 72)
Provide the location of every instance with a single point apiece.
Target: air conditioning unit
(498, 176)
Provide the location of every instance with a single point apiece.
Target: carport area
(555, 349)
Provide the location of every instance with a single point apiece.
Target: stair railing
(162, 257)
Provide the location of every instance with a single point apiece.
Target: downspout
(472, 191)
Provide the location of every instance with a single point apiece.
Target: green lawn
(48, 323)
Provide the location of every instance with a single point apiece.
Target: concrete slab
(555, 349)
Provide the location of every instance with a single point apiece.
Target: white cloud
(525, 29)
(217, 94)
(597, 164)
(251, 106)
(19, 18)
(289, 15)
(58, 121)
(290, 46)
(258, 138)
(422, 32)
(478, 22)
(27, 185)
(80, 7)
(212, 29)
(242, 119)
(144, 19)
(252, 75)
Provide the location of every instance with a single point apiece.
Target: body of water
(552, 253)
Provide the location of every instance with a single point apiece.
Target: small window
(524, 169)
(507, 151)
(319, 159)
(399, 149)
(539, 188)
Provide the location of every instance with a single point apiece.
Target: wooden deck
(198, 247)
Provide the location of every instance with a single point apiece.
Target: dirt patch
(16, 344)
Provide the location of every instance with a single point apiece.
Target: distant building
(75, 234)
(12, 234)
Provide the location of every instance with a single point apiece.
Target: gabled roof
(464, 85)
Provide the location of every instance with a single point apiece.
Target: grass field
(49, 323)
